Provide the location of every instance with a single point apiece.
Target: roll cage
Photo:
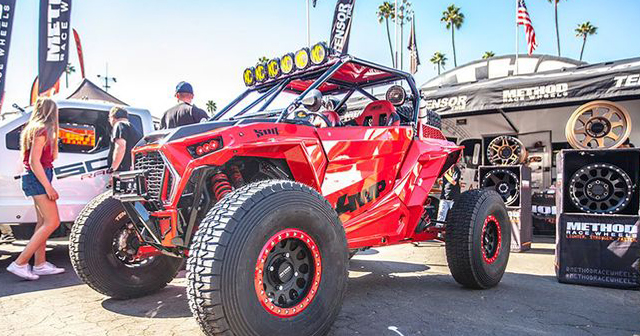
(340, 75)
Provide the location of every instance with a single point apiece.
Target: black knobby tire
(468, 264)
(222, 266)
(93, 259)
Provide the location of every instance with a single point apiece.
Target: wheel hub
(126, 244)
(503, 188)
(506, 152)
(288, 273)
(598, 127)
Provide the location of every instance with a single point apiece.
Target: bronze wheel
(506, 150)
(598, 124)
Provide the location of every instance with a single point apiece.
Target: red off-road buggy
(270, 199)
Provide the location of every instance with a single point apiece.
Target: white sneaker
(23, 271)
(47, 269)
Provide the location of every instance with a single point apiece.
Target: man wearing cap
(185, 113)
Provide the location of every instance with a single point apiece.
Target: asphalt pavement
(402, 290)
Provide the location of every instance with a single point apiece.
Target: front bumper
(130, 186)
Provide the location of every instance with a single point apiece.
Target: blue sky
(151, 45)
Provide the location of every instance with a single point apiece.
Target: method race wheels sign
(598, 250)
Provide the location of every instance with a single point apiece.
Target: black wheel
(601, 188)
(478, 239)
(108, 256)
(269, 259)
(504, 182)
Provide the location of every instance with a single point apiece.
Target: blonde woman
(39, 147)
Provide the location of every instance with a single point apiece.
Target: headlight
(302, 58)
(319, 53)
(261, 72)
(273, 68)
(205, 148)
(249, 77)
(286, 64)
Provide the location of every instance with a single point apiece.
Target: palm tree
(262, 59)
(211, 106)
(584, 30)
(439, 60)
(386, 11)
(488, 54)
(454, 19)
(67, 71)
(555, 9)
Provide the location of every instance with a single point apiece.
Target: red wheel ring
(491, 239)
(266, 273)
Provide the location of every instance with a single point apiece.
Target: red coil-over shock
(221, 185)
(236, 177)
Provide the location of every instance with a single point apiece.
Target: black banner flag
(55, 34)
(7, 8)
(341, 28)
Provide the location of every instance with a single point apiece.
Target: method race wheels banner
(341, 28)
(6, 24)
(598, 250)
(55, 34)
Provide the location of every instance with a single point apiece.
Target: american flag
(524, 20)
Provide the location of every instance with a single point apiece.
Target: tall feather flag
(7, 9)
(80, 54)
(53, 47)
(413, 47)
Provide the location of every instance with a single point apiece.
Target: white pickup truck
(80, 170)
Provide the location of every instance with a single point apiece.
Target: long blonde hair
(44, 116)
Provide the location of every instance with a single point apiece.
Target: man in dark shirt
(450, 191)
(185, 113)
(124, 137)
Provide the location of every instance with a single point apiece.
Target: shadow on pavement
(12, 285)
(170, 302)
(548, 251)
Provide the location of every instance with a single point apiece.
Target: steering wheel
(306, 116)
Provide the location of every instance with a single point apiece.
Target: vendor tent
(87, 90)
(571, 83)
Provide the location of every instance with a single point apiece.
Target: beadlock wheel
(600, 188)
(491, 239)
(288, 273)
(598, 124)
(504, 182)
(506, 150)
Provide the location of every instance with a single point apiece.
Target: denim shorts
(30, 184)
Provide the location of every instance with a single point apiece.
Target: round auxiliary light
(261, 72)
(319, 53)
(302, 58)
(286, 64)
(273, 68)
(249, 77)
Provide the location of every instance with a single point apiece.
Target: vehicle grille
(153, 164)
